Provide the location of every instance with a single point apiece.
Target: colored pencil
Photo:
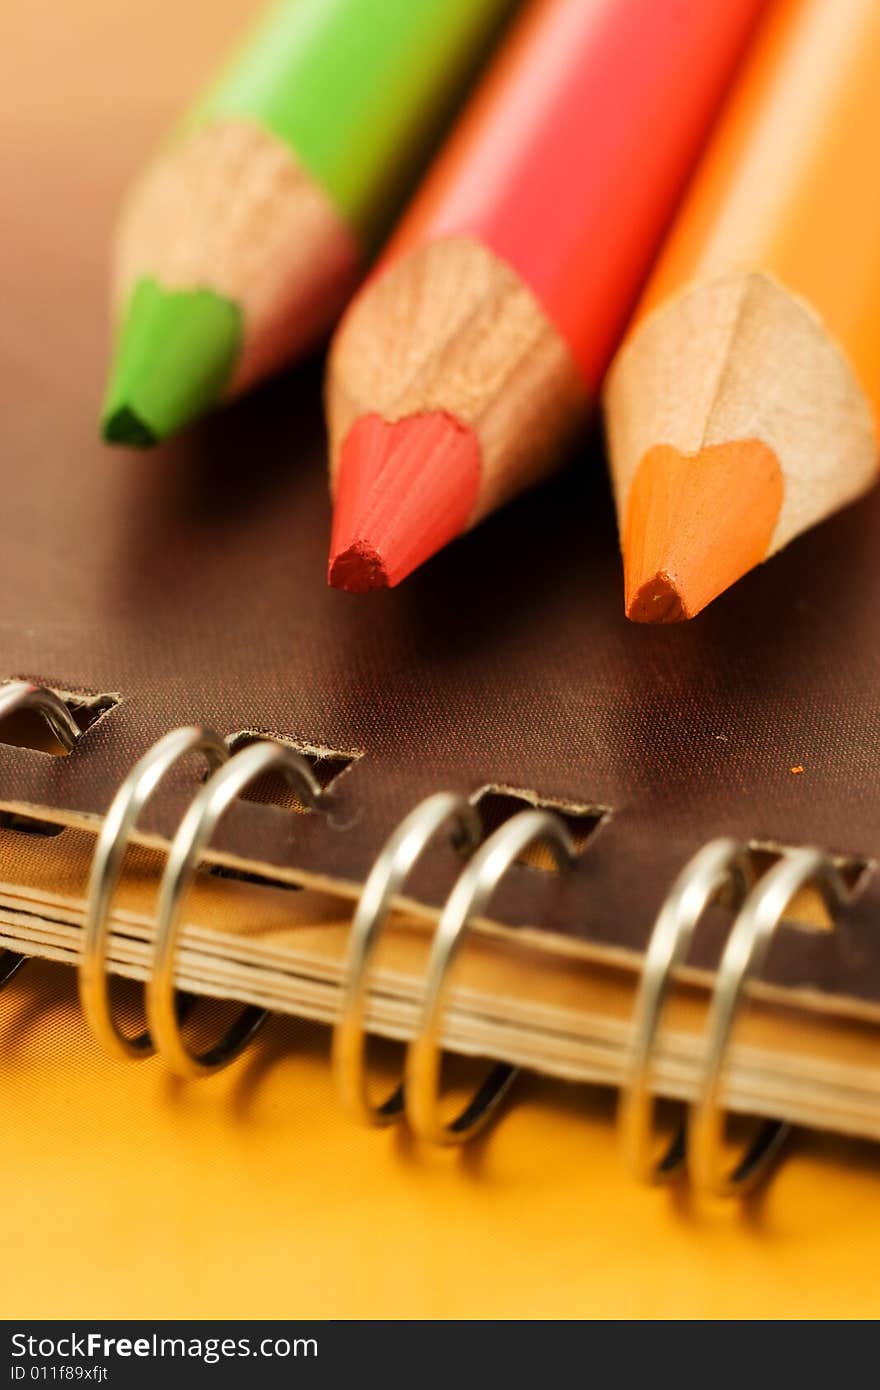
(743, 406)
(462, 368)
(240, 243)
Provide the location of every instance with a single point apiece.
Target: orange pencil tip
(695, 523)
(403, 491)
(657, 600)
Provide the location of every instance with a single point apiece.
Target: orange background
(129, 1194)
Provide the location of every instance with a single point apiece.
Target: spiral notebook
(187, 586)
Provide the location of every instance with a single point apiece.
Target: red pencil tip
(357, 569)
(403, 491)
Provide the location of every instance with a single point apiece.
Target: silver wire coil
(698, 1145)
(23, 695)
(120, 820)
(743, 957)
(192, 837)
(418, 1095)
(469, 898)
(717, 865)
(392, 867)
(229, 777)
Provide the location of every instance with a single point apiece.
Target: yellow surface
(250, 1194)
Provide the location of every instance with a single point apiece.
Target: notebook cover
(191, 581)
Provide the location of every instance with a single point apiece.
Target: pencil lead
(357, 569)
(175, 353)
(403, 491)
(657, 600)
(121, 425)
(695, 523)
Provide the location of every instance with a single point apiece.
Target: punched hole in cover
(327, 764)
(807, 908)
(27, 728)
(497, 803)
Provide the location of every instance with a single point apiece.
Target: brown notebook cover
(190, 582)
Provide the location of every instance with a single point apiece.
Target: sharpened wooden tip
(696, 523)
(403, 491)
(734, 423)
(446, 375)
(215, 292)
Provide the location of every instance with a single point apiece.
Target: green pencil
(240, 243)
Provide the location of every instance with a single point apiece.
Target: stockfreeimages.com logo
(94, 1346)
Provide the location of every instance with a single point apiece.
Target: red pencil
(460, 371)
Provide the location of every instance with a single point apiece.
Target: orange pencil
(464, 365)
(743, 406)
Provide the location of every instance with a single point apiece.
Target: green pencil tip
(175, 354)
(123, 426)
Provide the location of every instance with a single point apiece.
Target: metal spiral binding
(743, 957)
(230, 777)
(192, 838)
(20, 695)
(135, 791)
(697, 1146)
(469, 897)
(418, 1095)
(715, 866)
(392, 867)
